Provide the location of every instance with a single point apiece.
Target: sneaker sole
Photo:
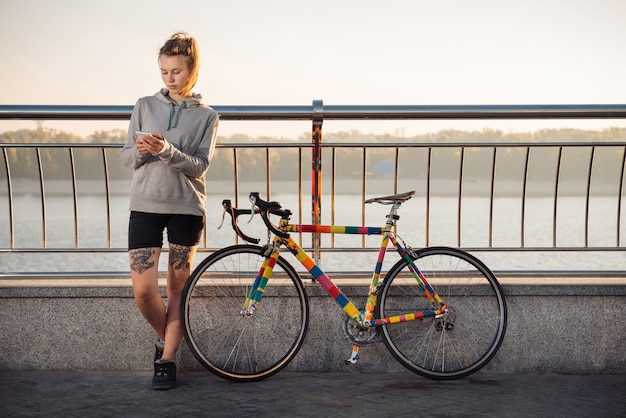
(163, 386)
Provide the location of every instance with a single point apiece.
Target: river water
(443, 229)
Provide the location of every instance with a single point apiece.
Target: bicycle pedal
(352, 360)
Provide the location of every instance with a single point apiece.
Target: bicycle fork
(258, 286)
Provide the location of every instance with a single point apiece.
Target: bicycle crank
(358, 334)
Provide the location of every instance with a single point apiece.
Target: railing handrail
(333, 112)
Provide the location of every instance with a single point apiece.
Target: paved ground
(289, 394)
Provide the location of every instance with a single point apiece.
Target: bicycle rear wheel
(226, 342)
(455, 345)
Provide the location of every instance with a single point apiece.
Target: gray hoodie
(173, 181)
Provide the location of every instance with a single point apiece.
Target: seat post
(393, 216)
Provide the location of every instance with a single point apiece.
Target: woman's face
(175, 73)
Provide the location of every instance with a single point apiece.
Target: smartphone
(143, 133)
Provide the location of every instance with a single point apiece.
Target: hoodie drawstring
(175, 119)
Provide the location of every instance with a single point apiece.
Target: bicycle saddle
(390, 200)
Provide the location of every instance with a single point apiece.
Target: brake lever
(253, 211)
(223, 217)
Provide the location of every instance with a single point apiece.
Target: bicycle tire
(226, 342)
(455, 345)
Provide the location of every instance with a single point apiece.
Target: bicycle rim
(455, 345)
(229, 344)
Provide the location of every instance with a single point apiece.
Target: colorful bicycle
(440, 311)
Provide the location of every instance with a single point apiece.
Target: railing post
(316, 174)
(10, 196)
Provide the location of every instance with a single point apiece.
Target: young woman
(170, 143)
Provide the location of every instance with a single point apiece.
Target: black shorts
(145, 230)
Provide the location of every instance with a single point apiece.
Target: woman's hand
(152, 144)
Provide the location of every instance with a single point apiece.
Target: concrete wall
(568, 329)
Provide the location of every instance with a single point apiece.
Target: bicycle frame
(366, 318)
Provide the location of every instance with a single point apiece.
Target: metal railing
(320, 162)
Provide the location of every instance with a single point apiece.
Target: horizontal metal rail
(333, 112)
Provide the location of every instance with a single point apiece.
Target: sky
(344, 52)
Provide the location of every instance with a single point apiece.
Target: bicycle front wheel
(459, 343)
(234, 345)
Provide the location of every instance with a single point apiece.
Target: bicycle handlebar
(260, 206)
(266, 208)
(234, 214)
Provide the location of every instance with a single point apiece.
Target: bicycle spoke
(228, 343)
(463, 340)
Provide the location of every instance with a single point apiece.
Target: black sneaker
(164, 375)
(158, 350)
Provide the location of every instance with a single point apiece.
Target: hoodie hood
(177, 107)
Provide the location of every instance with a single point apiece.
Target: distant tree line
(349, 162)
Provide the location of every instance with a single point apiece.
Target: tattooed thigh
(179, 256)
(141, 259)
